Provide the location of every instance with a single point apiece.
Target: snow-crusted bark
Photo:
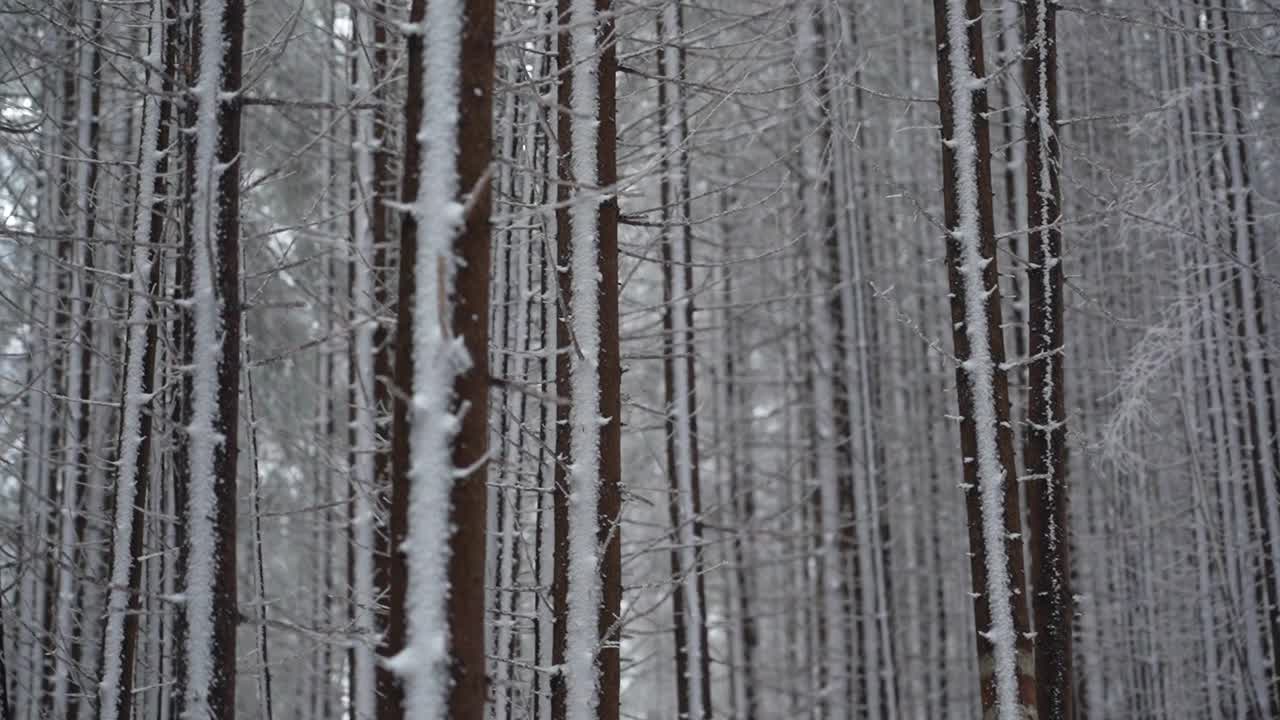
(363, 700)
(437, 357)
(131, 438)
(209, 591)
(1046, 431)
(583, 641)
(442, 665)
(1007, 680)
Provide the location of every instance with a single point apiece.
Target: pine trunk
(1005, 655)
(1046, 430)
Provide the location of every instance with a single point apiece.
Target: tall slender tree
(212, 613)
(693, 657)
(1046, 429)
(1005, 654)
(588, 546)
(440, 429)
(133, 474)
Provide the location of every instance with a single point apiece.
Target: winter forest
(639, 359)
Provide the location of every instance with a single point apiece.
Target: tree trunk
(440, 454)
(588, 590)
(1005, 655)
(210, 593)
(133, 474)
(390, 578)
(385, 352)
(693, 669)
(1046, 430)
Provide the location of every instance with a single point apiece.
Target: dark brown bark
(968, 426)
(383, 280)
(609, 534)
(465, 601)
(468, 498)
(391, 574)
(184, 338)
(222, 690)
(1046, 430)
(609, 365)
(564, 344)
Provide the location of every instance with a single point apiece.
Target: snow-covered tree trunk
(1005, 654)
(587, 585)
(439, 463)
(383, 281)
(210, 587)
(693, 682)
(1046, 429)
(584, 560)
(132, 477)
(364, 308)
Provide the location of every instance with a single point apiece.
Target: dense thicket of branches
(379, 359)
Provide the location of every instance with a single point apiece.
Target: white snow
(436, 359)
(205, 309)
(583, 643)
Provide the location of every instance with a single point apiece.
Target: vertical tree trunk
(440, 453)
(1005, 655)
(562, 271)
(609, 512)
(693, 669)
(184, 339)
(385, 351)
(1046, 430)
(133, 473)
(390, 578)
(587, 587)
(210, 592)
